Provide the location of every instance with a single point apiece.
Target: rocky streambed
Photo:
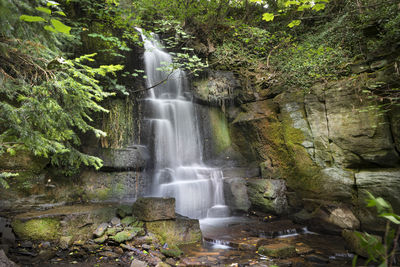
(149, 233)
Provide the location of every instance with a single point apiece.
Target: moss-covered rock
(354, 243)
(128, 220)
(280, 250)
(182, 230)
(127, 234)
(172, 252)
(154, 208)
(37, 229)
(124, 210)
(101, 239)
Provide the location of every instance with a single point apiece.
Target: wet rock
(172, 252)
(100, 230)
(138, 263)
(316, 258)
(115, 221)
(26, 244)
(179, 231)
(4, 261)
(65, 242)
(268, 195)
(154, 209)
(354, 243)
(235, 192)
(280, 250)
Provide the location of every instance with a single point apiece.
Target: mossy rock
(128, 221)
(280, 250)
(37, 229)
(101, 239)
(128, 234)
(172, 252)
(113, 230)
(354, 243)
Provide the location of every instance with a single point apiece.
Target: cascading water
(179, 170)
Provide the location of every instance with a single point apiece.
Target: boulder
(182, 230)
(7, 236)
(154, 209)
(268, 195)
(235, 192)
(65, 242)
(280, 250)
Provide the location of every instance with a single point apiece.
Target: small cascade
(179, 170)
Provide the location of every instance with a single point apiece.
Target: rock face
(329, 145)
(122, 159)
(4, 261)
(151, 209)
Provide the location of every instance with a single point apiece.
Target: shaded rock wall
(330, 145)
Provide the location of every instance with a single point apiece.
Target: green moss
(128, 234)
(278, 250)
(220, 130)
(124, 210)
(172, 252)
(128, 220)
(37, 229)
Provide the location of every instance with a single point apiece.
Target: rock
(316, 258)
(359, 68)
(123, 159)
(172, 252)
(235, 192)
(162, 264)
(37, 229)
(4, 261)
(268, 195)
(354, 243)
(124, 211)
(101, 239)
(154, 209)
(381, 183)
(182, 230)
(65, 242)
(128, 220)
(100, 230)
(343, 217)
(170, 261)
(45, 245)
(7, 236)
(113, 230)
(236, 172)
(127, 234)
(280, 250)
(115, 221)
(138, 263)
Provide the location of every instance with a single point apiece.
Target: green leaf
(319, 7)
(52, 3)
(44, 10)
(60, 27)
(61, 13)
(394, 218)
(31, 18)
(294, 23)
(268, 16)
(49, 28)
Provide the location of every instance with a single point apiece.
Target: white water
(179, 170)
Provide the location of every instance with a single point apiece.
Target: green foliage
(46, 101)
(381, 252)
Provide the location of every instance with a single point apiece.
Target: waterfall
(179, 170)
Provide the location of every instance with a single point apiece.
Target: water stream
(179, 170)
